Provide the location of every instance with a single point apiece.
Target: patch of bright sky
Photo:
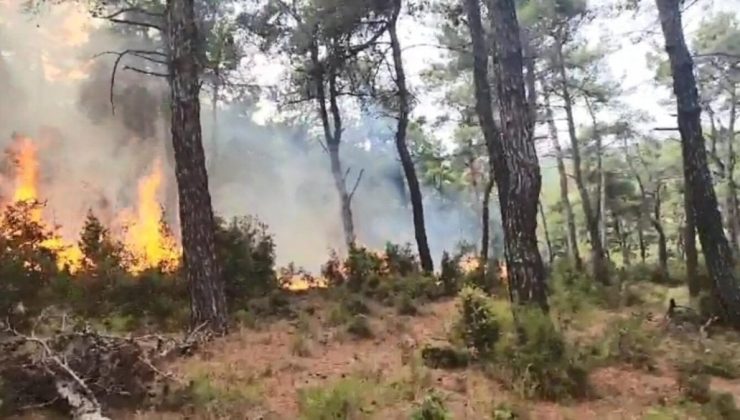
(630, 36)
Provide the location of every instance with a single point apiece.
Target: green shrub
(721, 406)
(695, 387)
(405, 305)
(204, 395)
(451, 274)
(445, 357)
(246, 252)
(477, 327)
(401, 260)
(26, 268)
(360, 327)
(717, 360)
(541, 365)
(504, 411)
(432, 408)
(343, 400)
(574, 290)
(627, 341)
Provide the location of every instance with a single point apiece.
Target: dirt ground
(269, 366)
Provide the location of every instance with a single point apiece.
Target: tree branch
(357, 184)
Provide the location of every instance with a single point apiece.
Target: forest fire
(146, 237)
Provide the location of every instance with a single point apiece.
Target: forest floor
(269, 369)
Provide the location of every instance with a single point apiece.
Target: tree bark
(717, 251)
(486, 222)
(571, 236)
(623, 243)
(550, 256)
(598, 258)
(208, 303)
(658, 225)
(689, 245)
(732, 199)
(641, 239)
(519, 181)
(417, 206)
(333, 139)
(600, 182)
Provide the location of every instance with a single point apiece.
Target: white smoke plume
(54, 91)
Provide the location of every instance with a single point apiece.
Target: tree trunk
(598, 258)
(717, 252)
(425, 256)
(208, 303)
(333, 140)
(662, 242)
(623, 243)
(689, 245)
(550, 256)
(486, 221)
(641, 239)
(516, 169)
(519, 181)
(600, 181)
(571, 236)
(732, 199)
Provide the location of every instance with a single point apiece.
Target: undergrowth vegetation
(103, 290)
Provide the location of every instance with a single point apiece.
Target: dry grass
(269, 360)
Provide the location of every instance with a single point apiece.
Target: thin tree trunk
(662, 242)
(623, 244)
(689, 245)
(425, 256)
(333, 140)
(641, 239)
(550, 256)
(571, 236)
(717, 251)
(486, 221)
(600, 181)
(732, 199)
(208, 303)
(598, 258)
(519, 182)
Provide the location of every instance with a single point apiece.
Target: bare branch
(147, 72)
(357, 184)
(134, 23)
(120, 55)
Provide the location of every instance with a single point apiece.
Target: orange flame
(26, 189)
(147, 237)
(27, 177)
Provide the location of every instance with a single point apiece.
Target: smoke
(53, 91)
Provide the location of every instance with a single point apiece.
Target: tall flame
(151, 243)
(27, 177)
(26, 190)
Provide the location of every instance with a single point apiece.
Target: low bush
(359, 327)
(574, 290)
(539, 361)
(628, 341)
(343, 400)
(431, 408)
(478, 326)
(246, 252)
(445, 357)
